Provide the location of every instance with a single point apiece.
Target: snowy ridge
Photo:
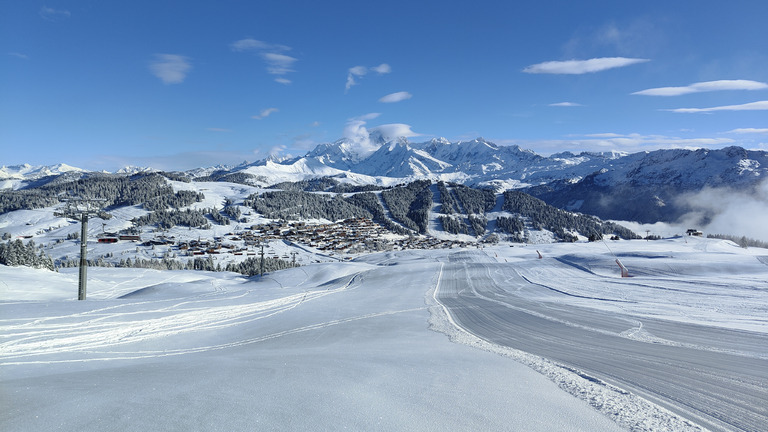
(33, 172)
(646, 187)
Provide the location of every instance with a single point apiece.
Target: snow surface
(347, 345)
(31, 172)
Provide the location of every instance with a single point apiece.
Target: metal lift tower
(81, 209)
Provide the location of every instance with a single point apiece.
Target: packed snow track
(715, 377)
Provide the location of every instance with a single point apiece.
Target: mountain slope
(651, 187)
(645, 187)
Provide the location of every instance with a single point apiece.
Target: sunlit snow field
(338, 346)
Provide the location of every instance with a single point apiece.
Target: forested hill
(446, 210)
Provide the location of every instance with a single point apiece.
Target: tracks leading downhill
(715, 389)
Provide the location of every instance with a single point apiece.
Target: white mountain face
(641, 186)
(131, 169)
(661, 185)
(483, 162)
(33, 172)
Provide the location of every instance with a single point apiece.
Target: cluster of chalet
(338, 237)
(354, 235)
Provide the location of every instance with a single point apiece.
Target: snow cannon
(624, 271)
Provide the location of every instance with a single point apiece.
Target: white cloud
(52, 14)
(366, 117)
(705, 86)
(396, 97)
(265, 113)
(19, 55)
(170, 68)
(604, 135)
(213, 129)
(752, 106)
(566, 104)
(601, 142)
(395, 130)
(729, 211)
(749, 131)
(278, 64)
(360, 71)
(382, 69)
(273, 55)
(359, 136)
(577, 67)
(357, 71)
(257, 45)
(277, 150)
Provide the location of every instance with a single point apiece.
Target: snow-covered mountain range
(644, 186)
(661, 185)
(33, 172)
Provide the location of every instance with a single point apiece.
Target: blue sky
(175, 85)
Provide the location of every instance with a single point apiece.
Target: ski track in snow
(473, 295)
(107, 327)
(626, 409)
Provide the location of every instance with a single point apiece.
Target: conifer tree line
(475, 201)
(225, 176)
(172, 200)
(742, 241)
(410, 204)
(231, 210)
(292, 205)
(453, 224)
(543, 216)
(248, 267)
(117, 190)
(167, 219)
(324, 184)
(478, 224)
(370, 202)
(449, 205)
(16, 253)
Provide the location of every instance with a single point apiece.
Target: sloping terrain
(347, 344)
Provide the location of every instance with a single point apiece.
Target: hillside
(157, 222)
(647, 187)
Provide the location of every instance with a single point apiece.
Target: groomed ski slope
(348, 345)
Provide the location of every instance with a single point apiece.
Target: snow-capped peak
(32, 172)
(131, 169)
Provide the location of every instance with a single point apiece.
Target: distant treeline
(16, 253)
(540, 215)
(742, 241)
(410, 204)
(116, 190)
(324, 184)
(249, 267)
(403, 209)
(295, 204)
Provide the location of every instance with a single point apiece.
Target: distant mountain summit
(33, 172)
(659, 185)
(644, 186)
